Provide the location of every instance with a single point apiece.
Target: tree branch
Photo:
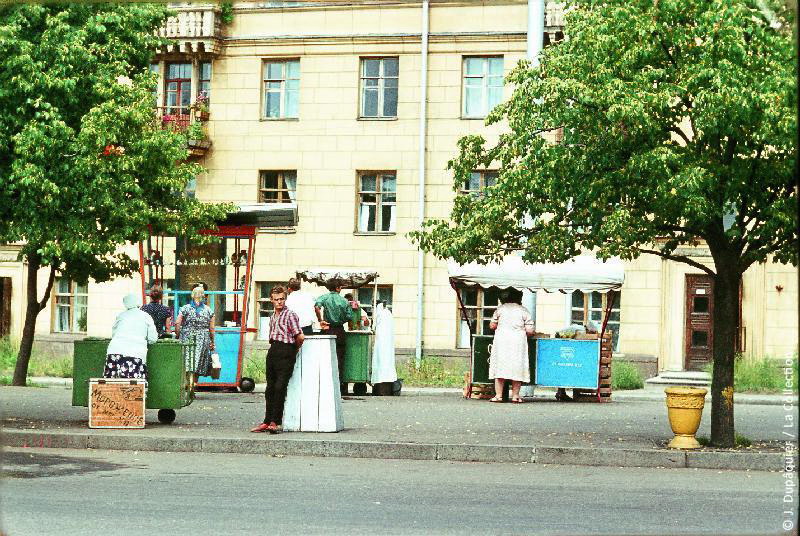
(42, 304)
(679, 258)
(680, 133)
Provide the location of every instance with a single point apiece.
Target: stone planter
(684, 409)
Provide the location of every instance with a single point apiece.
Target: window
(591, 307)
(281, 89)
(265, 307)
(70, 303)
(204, 83)
(277, 187)
(377, 202)
(156, 70)
(483, 85)
(367, 297)
(178, 88)
(478, 180)
(480, 305)
(379, 87)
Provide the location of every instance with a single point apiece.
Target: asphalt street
(121, 493)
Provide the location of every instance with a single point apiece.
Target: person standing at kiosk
(509, 356)
(302, 303)
(285, 339)
(333, 312)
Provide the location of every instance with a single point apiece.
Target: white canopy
(584, 273)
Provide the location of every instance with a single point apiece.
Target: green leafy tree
(85, 166)
(679, 121)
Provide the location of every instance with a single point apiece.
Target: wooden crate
(116, 403)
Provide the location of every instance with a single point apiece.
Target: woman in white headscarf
(383, 363)
(133, 331)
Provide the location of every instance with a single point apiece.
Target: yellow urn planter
(684, 409)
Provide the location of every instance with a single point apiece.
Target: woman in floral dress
(196, 324)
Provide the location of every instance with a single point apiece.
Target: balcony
(189, 121)
(195, 29)
(554, 15)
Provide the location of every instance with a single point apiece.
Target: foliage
(226, 12)
(625, 376)
(433, 372)
(740, 441)
(195, 131)
(40, 365)
(764, 375)
(679, 121)
(255, 366)
(85, 166)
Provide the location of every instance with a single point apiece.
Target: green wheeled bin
(170, 381)
(358, 360)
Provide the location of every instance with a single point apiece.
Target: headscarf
(132, 301)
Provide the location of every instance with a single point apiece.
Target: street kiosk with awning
(567, 363)
(225, 266)
(359, 342)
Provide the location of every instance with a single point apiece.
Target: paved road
(120, 493)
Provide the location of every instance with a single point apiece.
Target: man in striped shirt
(285, 339)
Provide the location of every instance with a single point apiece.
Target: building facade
(327, 106)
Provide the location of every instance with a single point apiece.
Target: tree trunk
(33, 308)
(726, 315)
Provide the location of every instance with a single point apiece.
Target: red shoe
(263, 427)
(272, 428)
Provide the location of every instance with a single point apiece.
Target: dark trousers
(280, 365)
(340, 348)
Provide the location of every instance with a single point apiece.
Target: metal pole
(423, 112)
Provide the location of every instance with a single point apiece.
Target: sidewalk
(435, 424)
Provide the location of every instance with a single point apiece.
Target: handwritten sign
(116, 403)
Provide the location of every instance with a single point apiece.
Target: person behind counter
(133, 331)
(333, 312)
(161, 314)
(302, 304)
(285, 339)
(358, 317)
(509, 356)
(196, 323)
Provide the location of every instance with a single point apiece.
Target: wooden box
(116, 403)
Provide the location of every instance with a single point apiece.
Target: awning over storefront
(584, 273)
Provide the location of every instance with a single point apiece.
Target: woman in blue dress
(196, 323)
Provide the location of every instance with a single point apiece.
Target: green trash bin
(358, 360)
(170, 381)
(480, 359)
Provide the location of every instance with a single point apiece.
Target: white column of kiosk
(313, 401)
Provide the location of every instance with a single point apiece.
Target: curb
(655, 458)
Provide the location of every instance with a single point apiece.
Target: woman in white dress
(512, 324)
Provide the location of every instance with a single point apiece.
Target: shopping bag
(216, 366)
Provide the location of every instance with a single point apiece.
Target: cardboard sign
(116, 403)
(567, 363)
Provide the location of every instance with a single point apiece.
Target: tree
(679, 123)
(84, 163)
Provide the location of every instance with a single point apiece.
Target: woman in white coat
(383, 363)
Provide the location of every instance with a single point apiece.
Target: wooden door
(699, 332)
(5, 306)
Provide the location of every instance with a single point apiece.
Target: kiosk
(568, 363)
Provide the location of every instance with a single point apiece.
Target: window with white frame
(379, 78)
(478, 180)
(585, 307)
(377, 202)
(264, 306)
(483, 85)
(368, 298)
(480, 305)
(70, 306)
(281, 89)
(204, 82)
(277, 186)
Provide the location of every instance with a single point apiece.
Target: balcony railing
(194, 29)
(554, 14)
(180, 119)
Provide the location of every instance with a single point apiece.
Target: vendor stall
(224, 268)
(555, 362)
(359, 342)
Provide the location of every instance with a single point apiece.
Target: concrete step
(681, 377)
